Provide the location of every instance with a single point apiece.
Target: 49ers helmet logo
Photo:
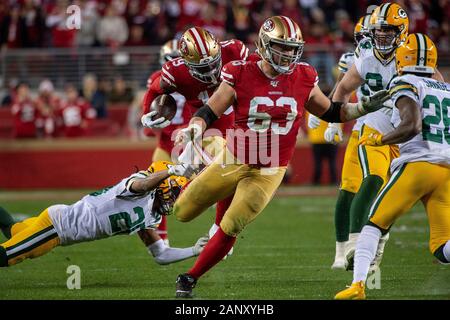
(183, 47)
(268, 25)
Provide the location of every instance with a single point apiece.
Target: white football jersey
(345, 63)
(433, 97)
(377, 75)
(113, 210)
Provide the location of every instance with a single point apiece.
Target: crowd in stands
(114, 23)
(49, 113)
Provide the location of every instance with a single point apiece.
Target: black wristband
(333, 114)
(206, 114)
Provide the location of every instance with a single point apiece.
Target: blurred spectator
(212, 18)
(112, 30)
(74, 114)
(34, 23)
(120, 93)
(136, 36)
(56, 21)
(85, 37)
(10, 95)
(189, 11)
(13, 29)
(94, 95)
(239, 20)
(418, 17)
(135, 129)
(48, 103)
(25, 112)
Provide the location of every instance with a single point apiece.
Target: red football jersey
(180, 120)
(74, 116)
(268, 112)
(26, 117)
(197, 93)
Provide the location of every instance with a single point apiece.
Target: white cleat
(350, 247)
(339, 259)
(211, 233)
(380, 250)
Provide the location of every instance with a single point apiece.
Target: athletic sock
(162, 228)
(342, 215)
(366, 248)
(222, 207)
(6, 222)
(216, 248)
(359, 210)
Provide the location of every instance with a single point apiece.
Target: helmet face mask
(283, 57)
(208, 70)
(385, 38)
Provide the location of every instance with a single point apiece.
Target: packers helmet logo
(402, 13)
(183, 47)
(268, 25)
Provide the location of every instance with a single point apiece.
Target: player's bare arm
(410, 125)
(438, 75)
(330, 111)
(143, 185)
(349, 83)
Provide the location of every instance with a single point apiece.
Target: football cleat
(350, 246)
(185, 284)
(354, 292)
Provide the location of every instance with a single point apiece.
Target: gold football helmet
(388, 27)
(417, 54)
(361, 28)
(169, 51)
(286, 34)
(201, 53)
(168, 190)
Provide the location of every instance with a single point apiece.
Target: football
(165, 106)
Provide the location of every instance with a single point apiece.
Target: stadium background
(118, 47)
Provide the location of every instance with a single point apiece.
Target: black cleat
(185, 284)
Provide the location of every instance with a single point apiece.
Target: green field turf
(286, 253)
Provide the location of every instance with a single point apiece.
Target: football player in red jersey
(168, 52)
(269, 98)
(196, 75)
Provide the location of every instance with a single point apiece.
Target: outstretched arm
(164, 254)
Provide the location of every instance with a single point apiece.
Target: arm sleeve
(165, 255)
(152, 92)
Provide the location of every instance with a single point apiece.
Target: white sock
(366, 247)
(447, 251)
(340, 249)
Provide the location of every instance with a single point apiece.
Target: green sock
(3, 258)
(342, 215)
(6, 222)
(359, 211)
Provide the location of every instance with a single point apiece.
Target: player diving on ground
(134, 205)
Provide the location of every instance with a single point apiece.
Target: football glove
(313, 121)
(331, 132)
(373, 139)
(159, 123)
(191, 133)
(182, 169)
(200, 245)
(374, 102)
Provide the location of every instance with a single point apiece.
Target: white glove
(333, 130)
(313, 121)
(159, 123)
(200, 245)
(191, 133)
(182, 169)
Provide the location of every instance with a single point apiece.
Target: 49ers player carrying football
(168, 52)
(269, 98)
(196, 75)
